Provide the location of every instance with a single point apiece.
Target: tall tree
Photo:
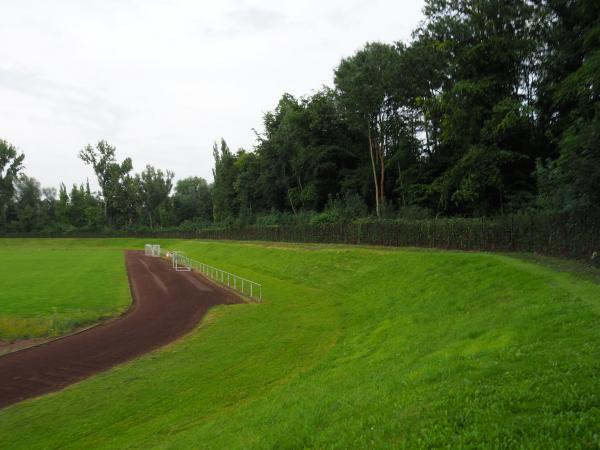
(155, 187)
(112, 176)
(129, 200)
(246, 190)
(365, 84)
(193, 200)
(569, 106)
(11, 163)
(49, 206)
(488, 140)
(77, 207)
(224, 174)
(62, 206)
(28, 203)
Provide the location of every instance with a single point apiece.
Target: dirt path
(166, 305)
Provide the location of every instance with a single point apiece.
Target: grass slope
(49, 291)
(352, 348)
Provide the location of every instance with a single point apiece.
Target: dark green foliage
(11, 164)
(493, 108)
(451, 124)
(155, 187)
(192, 201)
(119, 190)
(576, 171)
(485, 151)
(341, 210)
(224, 173)
(366, 83)
(569, 106)
(573, 234)
(62, 206)
(27, 205)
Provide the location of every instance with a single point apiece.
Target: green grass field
(352, 348)
(47, 290)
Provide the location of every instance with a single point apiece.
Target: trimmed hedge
(570, 235)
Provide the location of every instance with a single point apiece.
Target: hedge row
(570, 235)
(564, 235)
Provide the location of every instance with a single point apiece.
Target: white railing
(242, 285)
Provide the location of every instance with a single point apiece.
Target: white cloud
(162, 79)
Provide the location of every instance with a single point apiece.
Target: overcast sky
(162, 80)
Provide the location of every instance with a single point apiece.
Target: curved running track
(166, 305)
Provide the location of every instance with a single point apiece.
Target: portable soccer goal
(181, 263)
(152, 250)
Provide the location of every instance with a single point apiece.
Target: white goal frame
(152, 250)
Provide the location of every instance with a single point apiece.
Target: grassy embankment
(353, 347)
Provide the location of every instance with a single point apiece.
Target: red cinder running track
(166, 305)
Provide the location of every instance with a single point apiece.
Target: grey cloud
(69, 103)
(248, 20)
(162, 79)
(256, 19)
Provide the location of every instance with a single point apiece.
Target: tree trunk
(380, 146)
(371, 151)
(381, 179)
(301, 191)
(291, 202)
(401, 186)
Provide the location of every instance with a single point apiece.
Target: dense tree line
(492, 108)
(125, 199)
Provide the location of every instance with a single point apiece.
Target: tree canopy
(493, 107)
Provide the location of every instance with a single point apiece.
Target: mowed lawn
(352, 348)
(48, 290)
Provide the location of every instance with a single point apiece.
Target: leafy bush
(341, 210)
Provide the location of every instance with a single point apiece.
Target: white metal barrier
(180, 262)
(242, 285)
